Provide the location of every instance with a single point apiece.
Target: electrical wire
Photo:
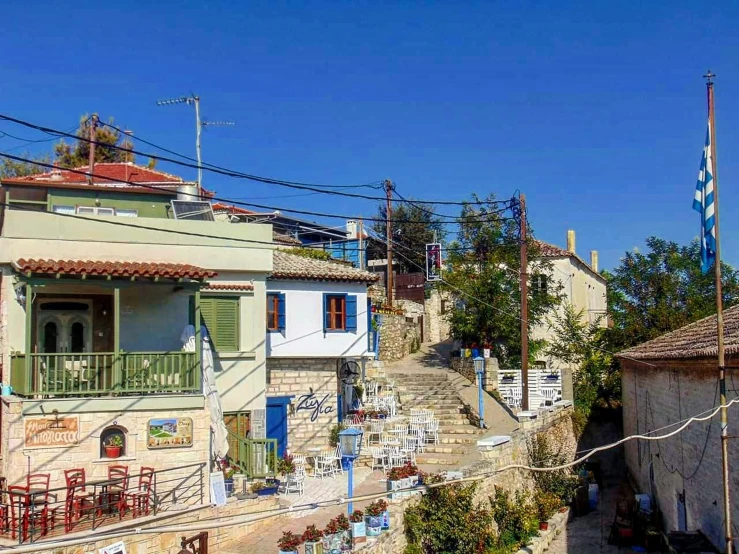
(196, 196)
(225, 171)
(267, 514)
(508, 204)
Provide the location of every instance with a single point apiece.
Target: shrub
(547, 504)
(289, 542)
(312, 534)
(333, 435)
(342, 522)
(561, 483)
(517, 518)
(285, 465)
(357, 516)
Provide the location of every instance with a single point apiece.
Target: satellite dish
(349, 373)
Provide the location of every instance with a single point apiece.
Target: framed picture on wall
(169, 433)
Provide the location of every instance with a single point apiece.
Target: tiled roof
(697, 340)
(230, 287)
(285, 239)
(117, 171)
(547, 250)
(291, 267)
(228, 208)
(113, 269)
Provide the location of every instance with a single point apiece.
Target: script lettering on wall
(311, 403)
(50, 433)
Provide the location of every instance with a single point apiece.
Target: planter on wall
(112, 451)
(373, 525)
(359, 532)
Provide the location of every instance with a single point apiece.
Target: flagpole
(720, 326)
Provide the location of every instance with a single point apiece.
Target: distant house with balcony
(318, 318)
(342, 242)
(97, 284)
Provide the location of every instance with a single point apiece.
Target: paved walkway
(265, 539)
(317, 490)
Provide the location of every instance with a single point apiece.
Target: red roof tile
(232, 287)
(221, 207)
(114, 269)
(114, 171)
(290, 267)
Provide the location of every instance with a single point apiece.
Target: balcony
(101, 374)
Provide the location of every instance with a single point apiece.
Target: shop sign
(169, 433)
(45, 432)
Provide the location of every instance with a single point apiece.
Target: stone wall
(86, 453)
(688, 465)
(436, 320)
(556, 423)
(399, 337)
(313, 384)
(169, 543)
(466, 368)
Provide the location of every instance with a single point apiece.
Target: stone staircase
(457, 435)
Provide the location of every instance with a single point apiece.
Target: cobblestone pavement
(264, 540)
(317, 490)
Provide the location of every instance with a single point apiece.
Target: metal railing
(255, 458)
(29, 515)
(90, 374)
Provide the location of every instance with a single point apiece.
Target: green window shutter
(221, 318)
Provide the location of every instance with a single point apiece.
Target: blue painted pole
(351, 485)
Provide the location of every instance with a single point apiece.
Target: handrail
(98, 373)
(256, 458)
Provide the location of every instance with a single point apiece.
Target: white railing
(545, 386)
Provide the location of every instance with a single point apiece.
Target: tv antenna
(193, 100)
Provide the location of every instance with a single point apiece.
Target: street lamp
(350, 441)
(480, 371)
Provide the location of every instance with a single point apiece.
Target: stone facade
(313, 384)
(87, 452)
(556, 424)
(399, 336)
(169, 542)
(466, 368)
(436, 320)
(685, 468)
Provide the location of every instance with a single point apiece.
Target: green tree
(12, 168)
(483, 274)
(78, 153)
(662, 290)
(413, 228)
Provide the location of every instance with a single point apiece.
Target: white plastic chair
(432, 431)
(295, 483)
(376, 428)
(408, 449)
(337, 460)
(378, 455)
(324, 465)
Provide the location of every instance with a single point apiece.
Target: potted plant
(343, 524)
(228, 480)
(384, 515)
(332, 538)
(286, 465)
(547, 504)
(508, 377)
(113, 446)
(358, 527)
(395, 482)
(373, 518)
(552, 376)
(264, 489)
(312, 540)
(288, 543)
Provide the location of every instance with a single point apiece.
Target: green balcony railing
(102, 373)
(256, 458)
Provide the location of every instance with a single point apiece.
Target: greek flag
(703, 204)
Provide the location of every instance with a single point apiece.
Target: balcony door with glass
(64, 326)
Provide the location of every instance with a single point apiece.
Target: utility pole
(720, 323)
(524, 305)
(389, 240)
(361, 244)
(93, 139)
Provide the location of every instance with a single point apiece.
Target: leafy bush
(561, 483)
(547, 504)
(313, 253)
(517, 518)
(333, 435)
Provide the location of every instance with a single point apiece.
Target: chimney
(571, 241)
(594, 260)
(351, 229)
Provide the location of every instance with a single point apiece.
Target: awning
(85, 268)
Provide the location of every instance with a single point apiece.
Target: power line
(487, 216)
(224, 171)
(214, 198)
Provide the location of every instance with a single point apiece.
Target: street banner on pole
(433, 262)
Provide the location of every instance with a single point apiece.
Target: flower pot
(288, 552)
(394, 486)
(331, 544)
(373, 525)
(359, 532)
(112, 451)
(311, 547)
(229, 485)
(385, 525)
(346, 540)
(543, 526)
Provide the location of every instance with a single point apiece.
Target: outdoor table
(33, 503)
(313, 453)
(102, 499)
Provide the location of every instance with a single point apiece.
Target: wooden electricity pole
(93, 139)
(524, 306)
(389, 241)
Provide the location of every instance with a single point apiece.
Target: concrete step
(438, 459)
(430, 397)
(458, 439)
(459, 449)
(460, 430)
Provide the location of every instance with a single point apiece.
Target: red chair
(116, 494)
(18, 510)
(139, 500)
(38, 481)
(30, 509)
(78, 499)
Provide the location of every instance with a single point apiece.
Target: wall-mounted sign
(51, 432)
(311, 403)
(433, 262)
(169, 432)
(115, 548)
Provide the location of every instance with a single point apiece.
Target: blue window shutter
(281, 311)
(325, 312)
(351, 312)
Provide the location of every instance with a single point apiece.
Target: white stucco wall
(303, 335)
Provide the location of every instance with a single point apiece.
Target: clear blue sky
(595, 110)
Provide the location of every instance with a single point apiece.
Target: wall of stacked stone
(313, 384)
(466, 368)
(399, 337)
(556, 423)
(436, 320)
(169, 543)
(86, 453)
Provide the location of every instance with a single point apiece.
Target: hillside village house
(98, 282)
(665, 381)
(317, 318)
(582, 286)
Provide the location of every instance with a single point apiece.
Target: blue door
(277, 421)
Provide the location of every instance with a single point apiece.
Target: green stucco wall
(147, 205)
